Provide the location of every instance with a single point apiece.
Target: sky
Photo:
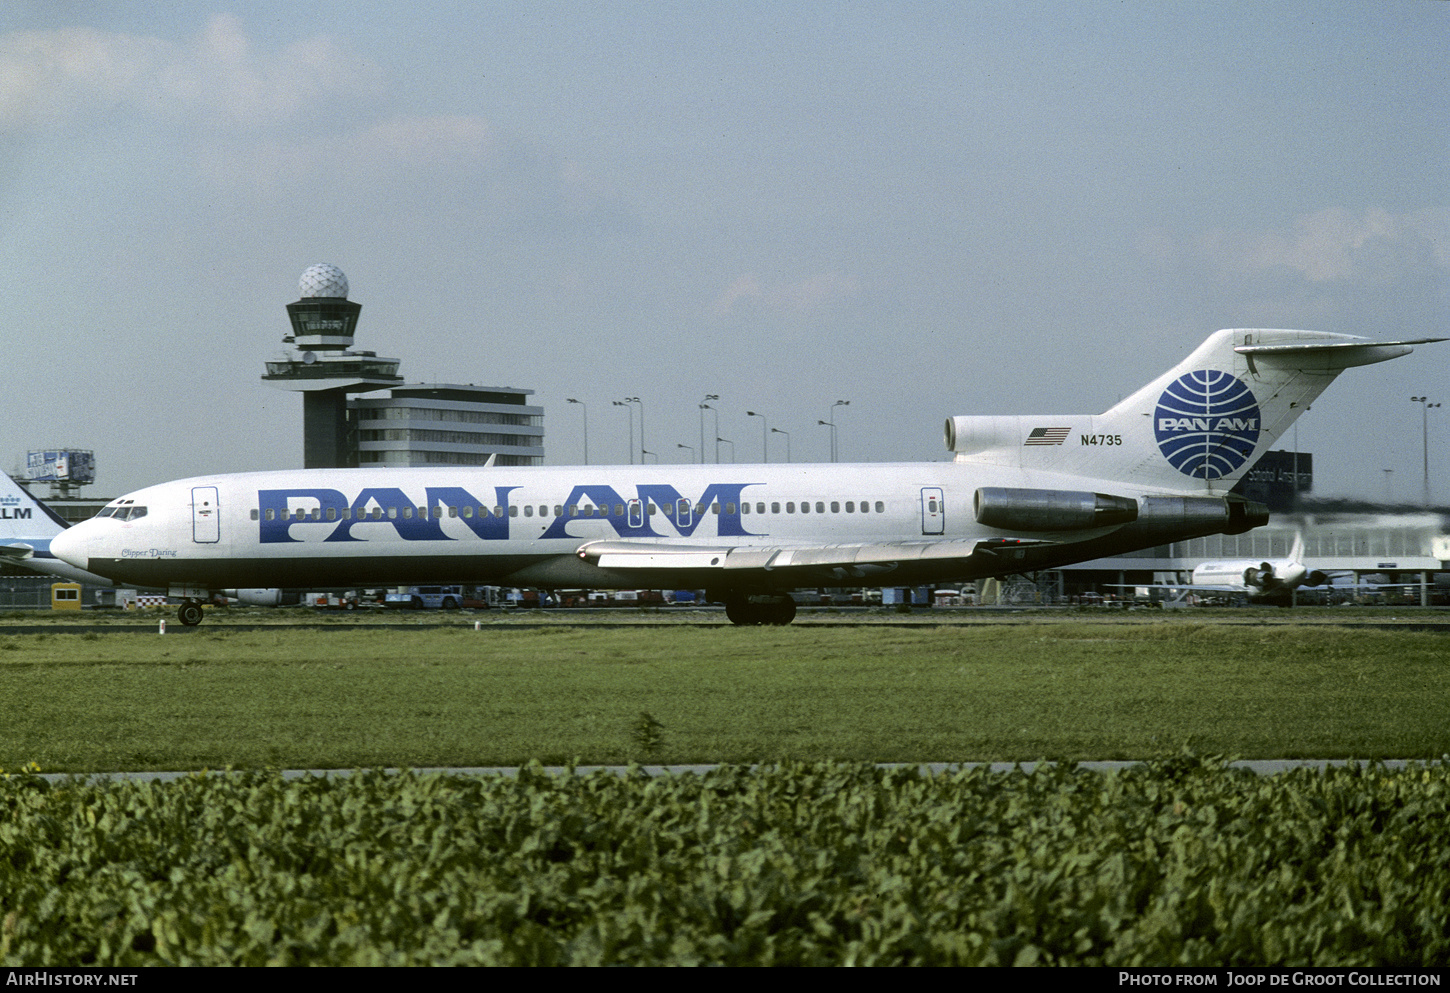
(923, 209)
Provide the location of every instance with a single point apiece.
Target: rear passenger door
(933, 510)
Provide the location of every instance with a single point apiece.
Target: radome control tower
(321, 364)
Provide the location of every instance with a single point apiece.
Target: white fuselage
(1024, 492)
(524, 526)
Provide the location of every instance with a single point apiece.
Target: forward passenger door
(205, 515)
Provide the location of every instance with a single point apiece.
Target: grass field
(295, 697)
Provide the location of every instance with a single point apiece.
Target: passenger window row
(543, 510)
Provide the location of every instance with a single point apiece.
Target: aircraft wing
(848, 560)
(1180, 587)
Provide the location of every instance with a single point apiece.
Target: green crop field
(1067, 689)
(813, 857)
(1176, 862)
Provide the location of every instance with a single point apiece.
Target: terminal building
(344, 425)
(448, 424)
(1393, 545)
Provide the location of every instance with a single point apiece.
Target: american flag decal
(1047, 436)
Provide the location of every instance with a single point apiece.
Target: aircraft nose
(70, 546)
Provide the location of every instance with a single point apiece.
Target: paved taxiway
(1263, 767)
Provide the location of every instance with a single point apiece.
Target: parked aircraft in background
(1023, 493)
(26, 529)
(1260, 581)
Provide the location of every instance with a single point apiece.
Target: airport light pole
(715, 411)
(1425, 406)
(641, 426)
(787, 441)
(831, 414)
(691, 449)
(764, 437)
(732, 448)
(833, 437)
(630, 407)
(584, 407)
(704, 405)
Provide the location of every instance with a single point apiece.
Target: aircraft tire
(741, 611)
(776, 610)
(782, 611)
(189, 613)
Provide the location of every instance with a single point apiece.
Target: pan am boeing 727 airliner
(1022, 493)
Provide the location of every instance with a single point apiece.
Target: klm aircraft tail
(23, 516)
(1197, 428)
(26, 524)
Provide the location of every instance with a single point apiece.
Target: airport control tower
(320, 363)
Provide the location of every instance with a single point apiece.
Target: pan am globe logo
(1207, 424)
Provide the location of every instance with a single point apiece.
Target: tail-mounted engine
(1050, 510)
(975, 434)
(1260, 577)
(1038, 511)
(1230, 514)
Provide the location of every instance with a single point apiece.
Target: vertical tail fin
(1198, 427)
(1213, 415)
(23, 516)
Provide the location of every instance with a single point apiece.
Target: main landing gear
(189, 613)
(756, 610)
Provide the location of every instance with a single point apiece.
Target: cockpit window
(132, 513)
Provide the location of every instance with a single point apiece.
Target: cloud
(807, 297)
(420, 141)
(48, 75)
(1334, 245)
(389, 146)
(301, 124)
(744, 289)
(55, 77)
(508, 182)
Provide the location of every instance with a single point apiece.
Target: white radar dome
(323, 280)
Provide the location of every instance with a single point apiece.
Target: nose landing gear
(189, 613)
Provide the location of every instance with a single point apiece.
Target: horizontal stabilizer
(1327, 355)
(16, 552)
(1315, 346)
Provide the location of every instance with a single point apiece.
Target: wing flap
(866, 558)
(658, 558)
